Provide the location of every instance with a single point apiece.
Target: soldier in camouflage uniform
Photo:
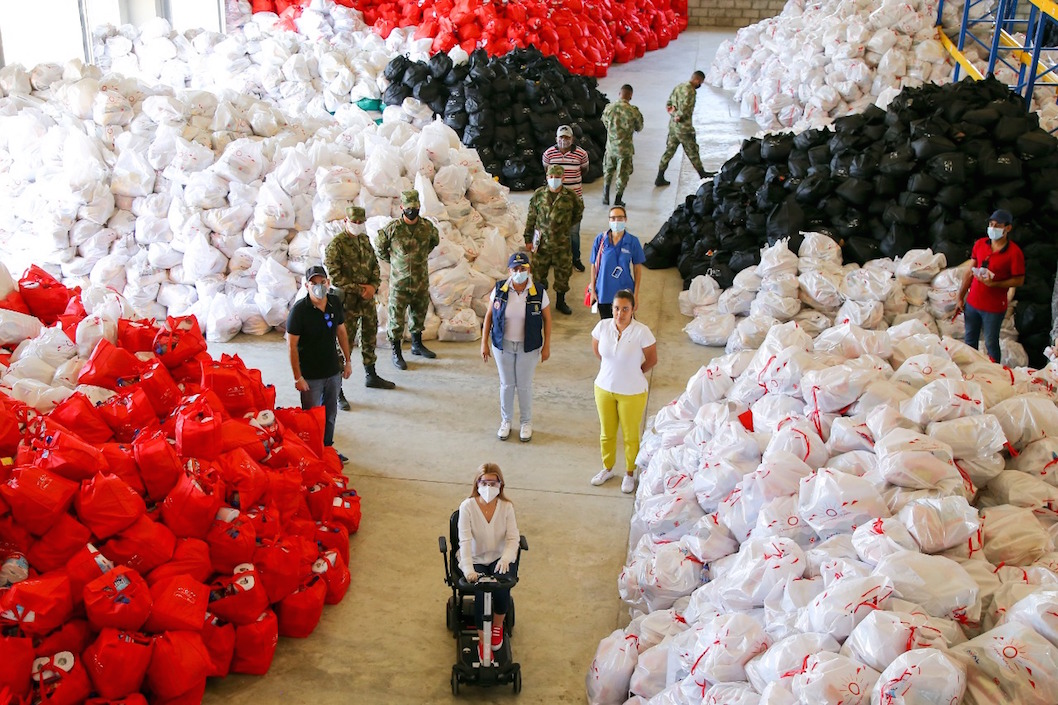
(621, 119)
(681, 128)
(406, 243)
(552, 210)
(353, 270)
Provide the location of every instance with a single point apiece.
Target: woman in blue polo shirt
(517, 332)
(616, 263)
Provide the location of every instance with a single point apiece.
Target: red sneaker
(481, 652)
(497, 637)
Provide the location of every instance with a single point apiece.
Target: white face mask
(318, 291)
(488, 493)
(355, 228)
(553, 184)
(520, 277)
(995, 233)
(618, 226)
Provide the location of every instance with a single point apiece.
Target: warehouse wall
(731, 13)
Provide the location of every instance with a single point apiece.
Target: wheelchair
(498, 667)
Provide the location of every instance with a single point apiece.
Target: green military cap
(555, 170)
(409, 199)
(356, 214)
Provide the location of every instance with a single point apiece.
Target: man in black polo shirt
(314, 324)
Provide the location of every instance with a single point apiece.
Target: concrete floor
(414, 452)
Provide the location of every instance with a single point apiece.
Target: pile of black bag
(927, 172)
(507, 108)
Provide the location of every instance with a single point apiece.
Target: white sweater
(481, 541)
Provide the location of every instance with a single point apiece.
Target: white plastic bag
(834, 679)
(1011, 663)
(921, 677)
(611, 669)
(834, 502)
(711, 329)
(939, 523)
(940, 585)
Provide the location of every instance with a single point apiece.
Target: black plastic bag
(776, 148)
(785, 220)
(949, 168)
(860, 250)
(856, 191)
(395, 69)
(439, 65)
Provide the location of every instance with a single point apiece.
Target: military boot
(562, 306)
(660, 181)
(619, 201)
(606, 194)
(343, 403)
(371, 379)
(417, 348)
(398, 356)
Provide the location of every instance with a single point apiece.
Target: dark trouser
(975, 319)
(501, 599)
(324, 392)
(574, 241)
(605, 310)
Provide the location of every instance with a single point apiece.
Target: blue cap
(1002, 217)
(518, 259)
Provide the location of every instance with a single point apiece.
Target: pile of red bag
(166, 535)
(585, 36)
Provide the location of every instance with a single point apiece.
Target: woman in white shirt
(488, 545)
(517, 332)
(627, 350)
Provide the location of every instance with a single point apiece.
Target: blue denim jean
(976, 319)
(516, 367)
(324, 392)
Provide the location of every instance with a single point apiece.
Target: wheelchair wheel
(517, 681)
(455, 682)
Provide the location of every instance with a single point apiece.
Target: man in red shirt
(998, 265)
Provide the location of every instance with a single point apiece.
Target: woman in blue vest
(517, 332)
(617, 259)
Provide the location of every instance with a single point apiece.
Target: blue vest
(534, 316)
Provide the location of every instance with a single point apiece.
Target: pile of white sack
(860, 516)
(333, 60)
(814, 289)
(215, 203)
(817, 61)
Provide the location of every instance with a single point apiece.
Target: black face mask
(411, 213)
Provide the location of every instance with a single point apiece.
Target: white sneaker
(601, 477)
(504, 431)
(628, 484)
(526, 433)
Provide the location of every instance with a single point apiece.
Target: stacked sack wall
(731, 13)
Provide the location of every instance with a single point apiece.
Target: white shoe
(601, 477)
(628, 484)
(526, 433)
(504, 431)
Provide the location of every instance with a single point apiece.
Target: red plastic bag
(237, 389)
(85, 566)
(279, 567)
(179, 341)
(232, 540)
(107, 505)
(10, 433)
(129, 414)
(161, 389)
(179, 664)
(14, 302)
(45, 296)
(38, 606)
(333, 536)
(219, 637)
(119, 599)
(179, 605)
(110, 366)
(284, 492)
(59, 545)
(266, 522)
(192, 504)
(320, 499)
(122, 461)
(191, 697)
(63, 453)
(77, 411)
(190, 557)
(245, 480)
(198, 433)
(300, 611)
(346, 510)
(61, 679)
(308, 425)
(117, 662)
(38, 497)
(73, 636)
(240, 434)
(130, 699)
(255, 645)
(137, 335)
(239, 598)
(16, 653)
(335, 574)
(160, 466)
(143, 546)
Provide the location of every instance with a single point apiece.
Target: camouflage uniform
(407, 247)
(552, 213)
(622, 119)
(350, 262)
(681, 132)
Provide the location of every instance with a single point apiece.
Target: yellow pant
(626, 410)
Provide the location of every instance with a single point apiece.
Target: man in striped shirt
(574, 162)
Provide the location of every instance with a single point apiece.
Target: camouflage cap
(555, 170)
(356, 214)
(409, 199)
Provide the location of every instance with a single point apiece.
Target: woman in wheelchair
(488, 545)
